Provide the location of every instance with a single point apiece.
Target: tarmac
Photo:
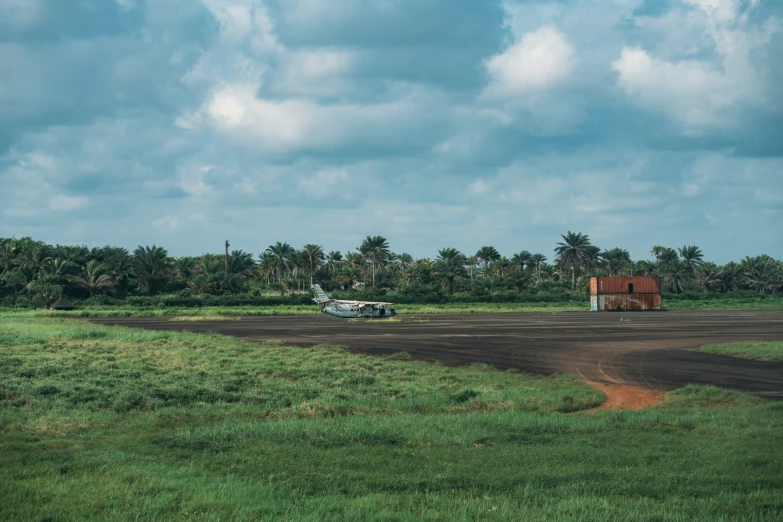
(653, 350)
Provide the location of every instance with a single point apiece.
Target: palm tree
(667, 255)
(501, 267)
(656, 251)
(34, 257)
(333, 260)
(522, 260)
(200, 285)
(405, 260)
(119, 265)
(375, 249)
(281, 254)
(315, 256)
(152, 267)
(9, 250)
(93, 278)
(692, 256)
(300, 265)
(76, 254)
(709, 276)
(423, 270)
(573, 252)
(487, 255)
(643, 268)
(184, 267)
(615, 260)
(536, 260)
(266, 266)
(762, 273)
(61, 269)
(472, 263)
(45, 291)
(237, 268)
(449, 265)
(592, 258)
(675, 274)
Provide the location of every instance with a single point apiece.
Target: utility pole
(226, 255)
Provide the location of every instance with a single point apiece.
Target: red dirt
(626, 397)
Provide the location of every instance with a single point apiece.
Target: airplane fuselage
(351, 309)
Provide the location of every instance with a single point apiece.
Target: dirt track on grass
(651, 350)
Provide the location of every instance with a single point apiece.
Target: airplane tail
(320, 295)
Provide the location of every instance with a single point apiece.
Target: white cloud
(322, 183)
(478, 187)
(719, 11)
(689, 91)
(191, 180)
(61, 202)
(698, 94)
(20, 13)
(245, 21)
(314, 72)
(540, 60)
(126, 4)
(166, 224)
(296, 124)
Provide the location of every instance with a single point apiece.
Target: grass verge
(405, 309)
(758, 350)
(121, 424)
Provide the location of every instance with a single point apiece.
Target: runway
(654, 350)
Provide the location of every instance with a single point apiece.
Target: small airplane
(351, 308)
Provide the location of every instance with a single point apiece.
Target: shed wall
(625, 302)
(620, 285)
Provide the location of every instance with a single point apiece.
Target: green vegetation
(235, 312)
(34, 274)
(121, 424)
(758, 350)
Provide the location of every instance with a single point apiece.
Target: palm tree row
(34, 268)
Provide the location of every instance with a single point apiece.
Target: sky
(437, 123)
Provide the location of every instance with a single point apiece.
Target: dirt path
(626, 397)
(649, 351)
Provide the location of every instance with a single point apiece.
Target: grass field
(193, 314)
(113, 423)
(758, 350)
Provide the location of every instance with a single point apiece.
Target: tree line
(40, 273)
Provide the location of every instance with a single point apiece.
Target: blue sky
(434, 123)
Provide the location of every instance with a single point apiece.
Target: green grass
(758, 350)
(761, 303)
(112, 423)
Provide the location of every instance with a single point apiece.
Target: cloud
(478, 187)
(690, 92)
(706, 95)
(469, 122)
(540, 60)
(166, 224)
(61, 202)
(323, 182)
(299, 124)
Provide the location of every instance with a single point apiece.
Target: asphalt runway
(649, 349)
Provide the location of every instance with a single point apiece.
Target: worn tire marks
(653, 350)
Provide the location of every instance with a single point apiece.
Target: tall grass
(112, 423)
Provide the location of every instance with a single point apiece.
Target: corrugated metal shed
(625, 302)
(625, 285)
